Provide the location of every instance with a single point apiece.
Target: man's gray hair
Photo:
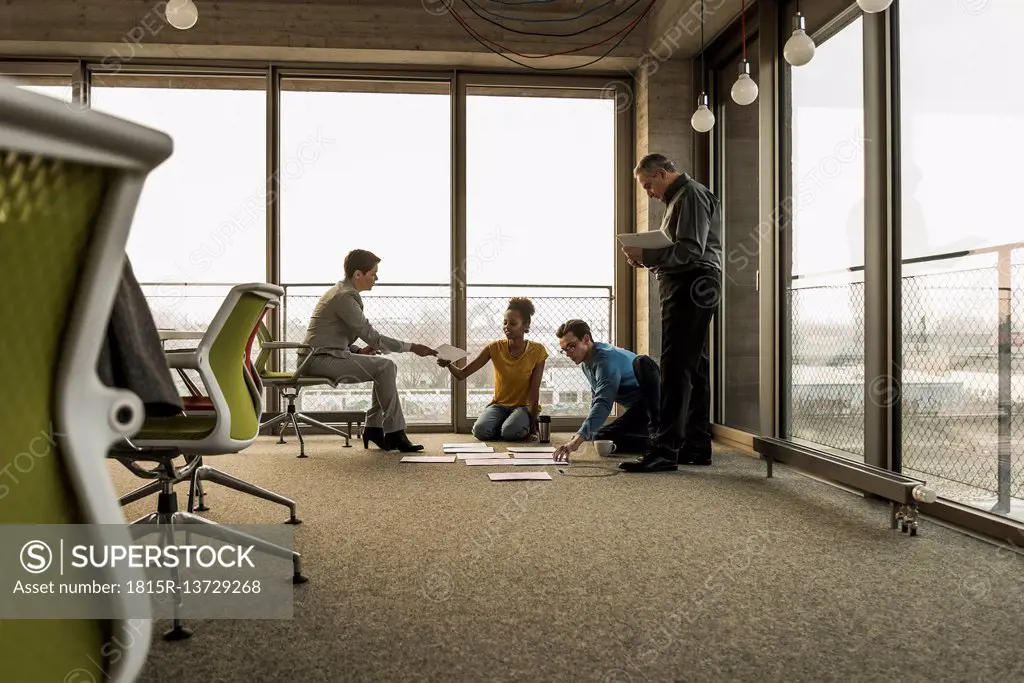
(654, 162)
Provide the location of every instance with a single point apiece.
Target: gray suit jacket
(338, 321)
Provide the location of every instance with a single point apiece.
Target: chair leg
(140, 493)
(298, 433)
(272, 422)
(216, 476)
(316, 423)
(210, 529)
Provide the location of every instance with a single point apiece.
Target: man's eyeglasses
(569, 348)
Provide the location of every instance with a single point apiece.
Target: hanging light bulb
(799, 49)
(872, 6)
(703, 119)
(182, 14)
(744, 90)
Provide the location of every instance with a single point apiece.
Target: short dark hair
(360, 259)
(654, 162)
(522, 306)
(576, 326)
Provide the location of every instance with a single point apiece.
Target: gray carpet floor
(434, 573)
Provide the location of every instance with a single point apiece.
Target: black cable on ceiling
(472, 7)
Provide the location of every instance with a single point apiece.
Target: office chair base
(293, 417)
(168, 517)
(207, 473)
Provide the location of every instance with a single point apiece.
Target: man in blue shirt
(616, 376)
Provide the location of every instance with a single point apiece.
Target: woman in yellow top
(518, 367)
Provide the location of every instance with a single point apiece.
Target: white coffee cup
(604, 447)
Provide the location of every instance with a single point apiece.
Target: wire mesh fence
(827, 365)
(961, 401)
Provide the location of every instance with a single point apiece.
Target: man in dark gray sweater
(689, 274)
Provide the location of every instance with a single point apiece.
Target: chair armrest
(184, 361)
(284, 345)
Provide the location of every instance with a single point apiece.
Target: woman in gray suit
(337, 322)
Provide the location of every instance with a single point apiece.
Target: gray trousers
(385, 408)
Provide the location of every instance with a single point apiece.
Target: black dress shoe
(649, 464)
(376, 435)
(691, 454)
(400, 441)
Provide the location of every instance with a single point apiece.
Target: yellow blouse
(512, 375)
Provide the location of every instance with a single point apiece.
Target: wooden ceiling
(399, 32)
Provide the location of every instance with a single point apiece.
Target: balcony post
(1005, 374)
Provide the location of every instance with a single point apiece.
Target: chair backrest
(223, 355)
(250, 366)
(69, 186)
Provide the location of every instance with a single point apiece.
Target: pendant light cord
(702, 89)
(743, 28)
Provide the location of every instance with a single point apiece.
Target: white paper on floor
(428, 458)
(477, 449)
(530, 449)
(483, 456)
(511, 461)
(514, 476)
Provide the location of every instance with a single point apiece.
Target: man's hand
(422, 351)
(634, 256)
(562, 452)
(369, 351)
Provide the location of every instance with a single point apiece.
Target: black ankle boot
(376, 435)
(400, 441)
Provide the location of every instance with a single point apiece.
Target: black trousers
(637, 427)
(688, 303)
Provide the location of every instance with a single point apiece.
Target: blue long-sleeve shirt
(612, 380)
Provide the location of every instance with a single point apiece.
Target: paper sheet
(464, 444)
(514, 476)
(428, 458)
(475, 449)
(649, 239)
(503, 457)
(530, 449)
(449, 352)
(511, 461)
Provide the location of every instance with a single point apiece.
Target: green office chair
(232, 426)
(290, 384)
(203, 409)
(69, 186)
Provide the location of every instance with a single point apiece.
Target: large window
(737, 325)
(824, 245)
(962, 134)
(367, 164)
(200, 225)
(540, 205)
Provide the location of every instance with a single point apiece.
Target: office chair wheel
(179, 632)
(294, 520)
(298, 578)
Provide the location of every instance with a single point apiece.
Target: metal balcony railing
(419, 312)
(962, 389)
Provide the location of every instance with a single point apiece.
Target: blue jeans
(508, 424)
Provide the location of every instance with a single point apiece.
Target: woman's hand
(443, 362)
